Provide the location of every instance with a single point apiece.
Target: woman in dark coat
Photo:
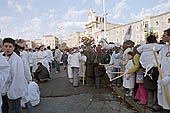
(41, 73)
(99, 70)
(90, 77)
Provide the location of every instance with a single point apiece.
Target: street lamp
(104, 15)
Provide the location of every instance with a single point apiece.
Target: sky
(31, 19)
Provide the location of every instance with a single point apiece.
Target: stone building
(74, 39)
(116, 33)
(50, 40)
(95, 26)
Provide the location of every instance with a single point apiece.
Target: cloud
(20, 7)
(6, 19)
(155, 10)
(98, 2)
(118, 8)
(71, 26)
(84, 1)
(74, 14)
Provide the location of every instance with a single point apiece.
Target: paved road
(59, 96)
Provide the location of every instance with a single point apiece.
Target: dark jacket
(90, 64)
(42, 72)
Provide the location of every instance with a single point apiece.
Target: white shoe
(56, 71)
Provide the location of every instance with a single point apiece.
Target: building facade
(74, 39)
(50, 40)
(95, 26)
(116, 33)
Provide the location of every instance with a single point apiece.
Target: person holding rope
(115, 59)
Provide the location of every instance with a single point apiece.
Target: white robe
(165, 68)
(131, 82)
(147, 56)
(41, 57)
(33, 94)
(82, 66)
(28, 77)
(4, 74)
(69, 70)
(26, 69)
(49, 57)
(16, 85)
(30, 59)
(34, 57)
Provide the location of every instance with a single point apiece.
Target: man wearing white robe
(41, 57)
(49, 57)
(164, 60)
(16, 84)
(4, 73)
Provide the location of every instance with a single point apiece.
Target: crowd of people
(135, 68)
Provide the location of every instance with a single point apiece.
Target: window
(157, 23)
(97, 19)
(168, 20)
(137, 28)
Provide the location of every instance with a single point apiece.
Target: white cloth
(35, 61)
(82, 66)
(69, 70)
(124, 58)
(58, 55)
(30, 54)
(4, 74)
(25, 55)
(164, 61)
(41, 57)
(33, 94)
(16, 85)
(75, 59)
(147, 56)
(131, 82)
(26, 70)
(49, 57)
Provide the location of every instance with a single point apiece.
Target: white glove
(165, 80)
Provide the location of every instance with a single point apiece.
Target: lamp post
(104, 15)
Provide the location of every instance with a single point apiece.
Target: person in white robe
(34, 57)
(30, 53)
(16, 84)
(69, 70)
(82, 69)
(49, 57)
(24, 53)
(164, 60)
(75, 66)
(34, 93)
(129, 79)
(41, 57)
(4, 73)
(151, 73)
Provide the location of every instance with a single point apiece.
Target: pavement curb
(140, 108)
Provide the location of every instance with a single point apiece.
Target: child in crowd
(129, 79)
(4, 73)
(141, 93)
(16, 85)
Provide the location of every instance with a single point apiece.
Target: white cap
(117, 44)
